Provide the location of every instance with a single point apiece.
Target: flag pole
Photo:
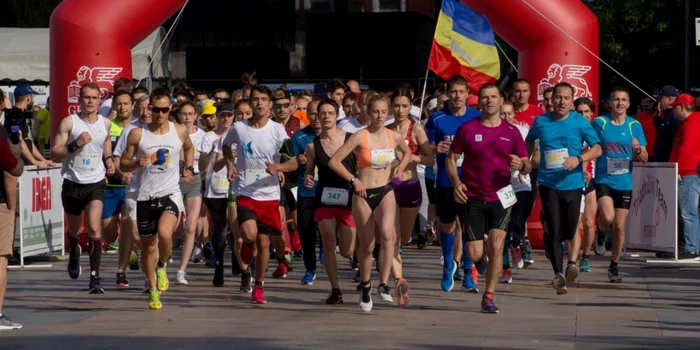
(425, 86)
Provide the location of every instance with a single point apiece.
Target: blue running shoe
(448, 272)
(482, 264)
(309, 277)
(468, 285)
(585, 265)
(211, 262)
(487, 305)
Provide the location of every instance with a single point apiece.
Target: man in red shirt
(646, 118)
(10, 162)
(686, 151)
(525, 113)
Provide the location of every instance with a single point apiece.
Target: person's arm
(520, 159)
(456, 151)
(310, 173)
(11, 161)
(188, 148)
(405, 151)
(426, 156)
(127, 163)
(208, 153)
(336, 163)
(107, 150)
(639, 142)
(60, 146)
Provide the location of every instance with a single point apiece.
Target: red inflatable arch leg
(91, 40)
(546, 55)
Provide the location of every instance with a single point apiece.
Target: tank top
(412, 145)
(375, 158)
(85, 166)
(160, 177)
(333, 190)
(115, 133)
(196, 139)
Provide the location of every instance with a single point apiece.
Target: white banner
(653, 218)
(40, 211)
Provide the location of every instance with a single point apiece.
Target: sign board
(40, 211)
(653, 218)
(697, 31)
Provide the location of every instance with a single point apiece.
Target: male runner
(525, 113)
(85, 149)
(441, 131)
(561, 134)
(159, 200)
(259, 142)
(621, 138)
(491, 146)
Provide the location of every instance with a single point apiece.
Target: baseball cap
(683, 100)
(208, 108)
(669, 90)
(432, 104)
(23, 89)
(281, 94)
(224, 107)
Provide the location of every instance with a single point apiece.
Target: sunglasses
(160, 109)
(282, 105)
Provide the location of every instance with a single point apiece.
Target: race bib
(258, 178)
(315, 173)
(460, 160)
(555, 158)
(335, 196)
(219, 184)
(507, 196)
(381, 158)
(618, 166)
(86, 162)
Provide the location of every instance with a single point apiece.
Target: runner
(407, 188)
(525, 113)
(261, 142)
(494, 147)
(115, 193)
(191, 192)
(561, 134)
(82, 143)
(374, 207)
(158, 147)
(332, 201)
(217, 187)
(622, 139)
(441, 131)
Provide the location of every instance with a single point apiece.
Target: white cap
(432, 104)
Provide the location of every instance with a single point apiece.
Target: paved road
(655, 307)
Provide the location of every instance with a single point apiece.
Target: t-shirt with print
(528, 116)
(614, 166)
(443, 128)
(487, 153)
(560, 139)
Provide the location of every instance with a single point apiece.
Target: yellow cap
(208, 108)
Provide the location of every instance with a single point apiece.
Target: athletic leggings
(217, 211)
(561, 212)
(307, 230)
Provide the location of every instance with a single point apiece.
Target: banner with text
(40, 211)
(653, 219)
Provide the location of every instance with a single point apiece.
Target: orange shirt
(686, 145)
(301, 115)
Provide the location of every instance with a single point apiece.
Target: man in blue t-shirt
(441, 129)
(561, 134)
(622, 139)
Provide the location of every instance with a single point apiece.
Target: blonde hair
(374, 98)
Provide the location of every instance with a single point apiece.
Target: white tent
(24, 54)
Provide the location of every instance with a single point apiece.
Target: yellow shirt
(44, 119)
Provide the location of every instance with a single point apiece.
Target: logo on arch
(573, 74)
(103, 76)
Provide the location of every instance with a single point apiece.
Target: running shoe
(506, 276)
(246, 253)
(584, 265)
(289, 258)
(458, 276)
(448, 272)
(258, 295)
(121, 280)
(559, 284)
(482, 264)
(517, 257)
(281, 271)
(134, 261)
(162, 282)
(246, 281)
(211, 262)
(469, 283)
(402, 292)
(421, 242)
(336, 297)
(180, 277)
(235, 266)
(207, 251)
(357, 277)
(572, 273)
(599, 245)
(197, 254)
(74, 268)
(95, 286)
(384, 293)
(309, 277)
(112, 247)
(321, 258)
(218, 280)
(354, 264)
(6, 323)
(487, 305)
(614, 275)
(146, 287)
(526, 253)
(366, 298)
(154, 300)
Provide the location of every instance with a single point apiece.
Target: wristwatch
(190, 168)
(352, 181)
(580, 160)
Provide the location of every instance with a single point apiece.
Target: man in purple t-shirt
(491, 147)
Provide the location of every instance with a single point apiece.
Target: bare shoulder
(135, 135)
(66, 124)
(182, 131)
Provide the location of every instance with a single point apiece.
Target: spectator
(665, 123)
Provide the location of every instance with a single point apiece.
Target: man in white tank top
(159, 200)
(259, 142)
(85, 149)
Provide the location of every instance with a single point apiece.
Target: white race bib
(258, 178)
(507, 196)
(294, 191)
(618, 166)
(555, 158)
(335, 196)
(381, 158)
(219, 184)
(86, 162)
(460, 160)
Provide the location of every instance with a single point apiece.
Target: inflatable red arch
(91, 40)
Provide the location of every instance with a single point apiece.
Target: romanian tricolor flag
(464, 44)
